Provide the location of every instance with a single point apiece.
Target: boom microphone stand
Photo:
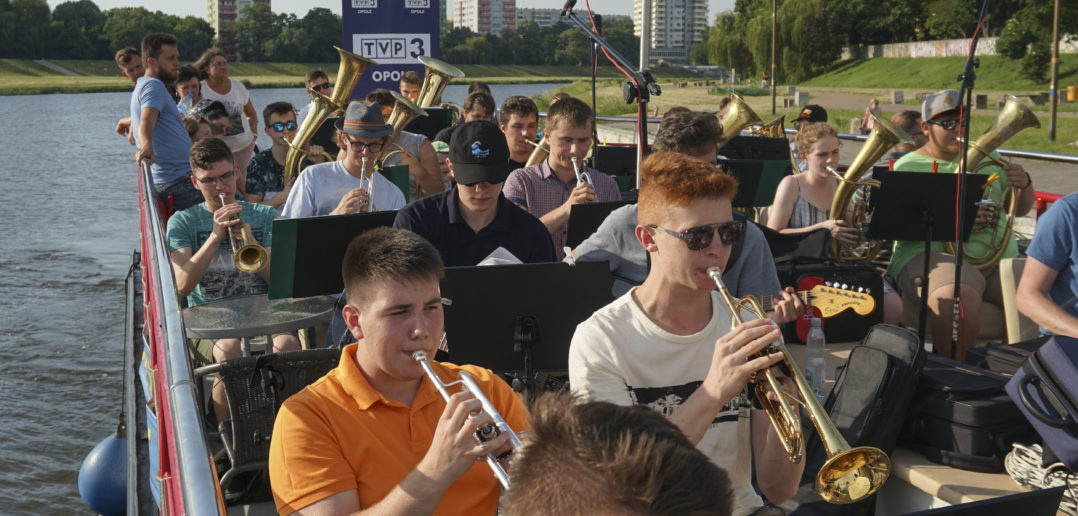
(641, 87)
(968, 77)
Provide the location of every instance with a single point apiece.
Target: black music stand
(907, 197)
(429, 126)
(326, 136)
(520, 318)
(757, 180)
(305, 259)
(585, 218)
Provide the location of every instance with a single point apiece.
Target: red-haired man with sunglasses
(667, 343)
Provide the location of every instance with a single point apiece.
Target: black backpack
(867, 405)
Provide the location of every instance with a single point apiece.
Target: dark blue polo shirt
(438, 219)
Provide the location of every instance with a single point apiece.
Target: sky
(300, 7)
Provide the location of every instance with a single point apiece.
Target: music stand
(904, 198)
(326, 136)
(585, 218)
(429, 126)
(757, 147)
(757, 180)
(307, 252)
(520, 318)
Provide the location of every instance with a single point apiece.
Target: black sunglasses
(281, 126)
(948, 124)
(320, 87)
(700, 237)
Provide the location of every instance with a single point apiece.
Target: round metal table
(244, 317)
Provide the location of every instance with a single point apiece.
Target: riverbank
(30, 77)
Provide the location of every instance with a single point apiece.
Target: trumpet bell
(852, 475)
(250, 258)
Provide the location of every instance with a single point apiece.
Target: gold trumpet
(348, 73)
(248, 256)
(738, 116)
(884, 136)
(1014, 117)
(490, 430)
(850, 474)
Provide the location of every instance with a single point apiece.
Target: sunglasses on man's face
(281, 126)
(320, 87)
(701, 237)
(947, 125)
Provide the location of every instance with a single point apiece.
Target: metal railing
(194, 471)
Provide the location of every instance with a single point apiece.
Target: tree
(126, 26)
(321, 30)
(253, 29)
(195, 36)
(30, 31)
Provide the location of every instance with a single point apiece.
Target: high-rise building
(675, 26)
(222, 15)
(550, 17)
(487, 16)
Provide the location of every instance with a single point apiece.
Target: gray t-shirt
(753, 273)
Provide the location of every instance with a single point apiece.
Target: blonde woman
(803, 201)
(243, 126)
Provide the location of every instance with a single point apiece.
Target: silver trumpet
(488, 431)
(370, 184)
(581, 177)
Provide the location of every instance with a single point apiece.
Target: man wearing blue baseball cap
(469, 221)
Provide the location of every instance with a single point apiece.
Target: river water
(68, 226)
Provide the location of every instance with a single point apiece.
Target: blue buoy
(103, 477)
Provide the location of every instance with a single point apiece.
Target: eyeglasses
(947, 125)
(320, 87)
(700, 237)
(210, 181)
(359, 146)
(281, 126)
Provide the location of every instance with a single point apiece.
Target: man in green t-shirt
(940, 122)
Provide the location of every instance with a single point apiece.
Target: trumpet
(248, 256)
(581, 177)
(850, 474)
(370, 183)
(489, 431)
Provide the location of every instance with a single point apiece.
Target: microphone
(567, 7)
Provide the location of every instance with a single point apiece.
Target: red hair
(672, 178)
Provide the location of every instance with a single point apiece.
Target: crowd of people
(658, 420)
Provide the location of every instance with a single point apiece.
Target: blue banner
(393, 33)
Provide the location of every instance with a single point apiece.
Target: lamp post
(774, 16)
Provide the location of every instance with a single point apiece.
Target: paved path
(53, 66)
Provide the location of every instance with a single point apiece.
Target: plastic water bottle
(816, 369)
(186, 102)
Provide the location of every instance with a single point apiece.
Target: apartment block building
(486, 16)
(675, 26)
(222, 15)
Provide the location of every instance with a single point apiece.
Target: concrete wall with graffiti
(941, 48)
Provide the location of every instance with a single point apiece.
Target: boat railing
(189, 460)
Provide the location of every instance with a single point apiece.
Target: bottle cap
(816, 322)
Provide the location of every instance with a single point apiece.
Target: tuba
(850, 474)
(1014, 117)
(884, 136)
(248, 256)
(738, 117)
(348, 73)
(772, 129)
(439, 73)
(404, 111)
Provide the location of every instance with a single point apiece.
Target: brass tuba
(850, 474)
(738, 116)
(439, 73)
(773, 129)
(404, 111)
(1014, 117)
(349, 71)
(248, 256)
(883, 137)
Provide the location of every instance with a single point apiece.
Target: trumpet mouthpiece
(714, 272)
(419, 355)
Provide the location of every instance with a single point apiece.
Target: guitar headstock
(832, 300)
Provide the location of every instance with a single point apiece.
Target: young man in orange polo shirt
(375, 432)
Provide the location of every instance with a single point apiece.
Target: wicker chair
(256, 387)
